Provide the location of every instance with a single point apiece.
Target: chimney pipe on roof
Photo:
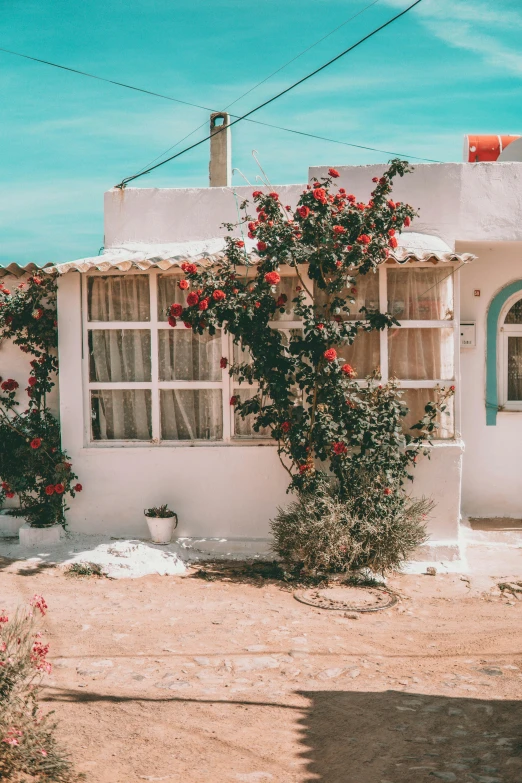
(220, 167)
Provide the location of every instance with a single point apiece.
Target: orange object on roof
(480, 149)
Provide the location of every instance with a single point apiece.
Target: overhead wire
(278, 95)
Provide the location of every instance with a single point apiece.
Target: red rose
(223, 362)
(9, 385)
(285, 426)
(317, 185)
(49, 490)
(176, 310)
(35, 280)
(320, 194)
(5, 486)
(187, 325)
(391, 232)
(391, 204)
(251, 235)
(219, 295)
(234, 400)
(262, 216)
(273, 278)
(78, 487)
(59, 489)
(261, 245)
(375, 179)
(361, 206)
(304, 211)
(190, 269)
(252, 226)
(274, 195)
(339, 448)
(257, 193)
(351, 198)
(342, 191)
(339, 230)
(387, 491)
(257, 304)
(407, 221)
(37, 313)
(393, 242)
(333, 173)
(330, 355)
(192, 298)
(347, 369)
(452, 388)
(10, 494)
(171, 321)
(304, 468)
(364, 239)
(183, 284)
(36, 443)
(319, 326)
(203, 305)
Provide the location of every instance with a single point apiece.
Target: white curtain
(364, 292)
(514, 368)
(421, 354)
(169, 293)
(191, 414)
(118, 298)
(121, 414)
(185, 356)
(420, 294)
(416, 400)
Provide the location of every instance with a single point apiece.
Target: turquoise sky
(447, 68)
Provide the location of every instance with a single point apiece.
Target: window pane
(243, 428)
(169, 293)
(185, 356)
(514, 369)
(515, 314)
(117, 355)
(420, 294)
(121, 414)
(286, 287)
(188, 414)
(421, 354)
(365, 293)
(118, 298)
(416, 400)
(363, 354)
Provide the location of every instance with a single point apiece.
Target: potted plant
(161, 524)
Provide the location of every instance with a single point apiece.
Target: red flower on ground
(176, 310)
(339, 448)
(339, 230)
(330, 355)
(203, 305)
(273, 278)
(183, 284)
(223, 362)
(234, 399)
(59, 489)
(285, 426)
(333, 173)
(364, 239)
(348, 370)
(219, 295)
(49, 490)
(78, 487)
(36, 443)
(171, 321)
(303, 211)
(261, 245)
(38, 602)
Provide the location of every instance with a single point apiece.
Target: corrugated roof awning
(411, 247)
(16, 270)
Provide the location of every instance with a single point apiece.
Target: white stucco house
(144, 409)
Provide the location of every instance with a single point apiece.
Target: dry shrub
(319, 534)
(28, 747)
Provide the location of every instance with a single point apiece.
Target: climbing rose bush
(329, 429)
(27, 735)
(33, 467)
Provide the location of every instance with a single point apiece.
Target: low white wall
(227, 490)
(492, 474)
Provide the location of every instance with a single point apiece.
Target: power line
(279, 95)
(267, 78)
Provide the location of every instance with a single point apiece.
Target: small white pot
(9, 525)
(40, 536)
(161, 528)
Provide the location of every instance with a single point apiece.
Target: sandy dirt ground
(187, 679)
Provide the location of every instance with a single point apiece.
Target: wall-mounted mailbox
(468, 334)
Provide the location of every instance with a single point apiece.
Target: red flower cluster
(274, 195)
(9, 385)
(36, 443)
(387, 491)
(218, 295)
(176, 310)
(240, 243)
(261, 246)
(330, 355)
(189, 269)
(339, 230)
(257, 193)
(38, 602)
(348, 370)
(303, 211)
(364, 239)
(339, 448)
(285, 426)
(32, 381)
(38, 313)
(203, 305)
(320, 194)
(192, 298)
(273, 278)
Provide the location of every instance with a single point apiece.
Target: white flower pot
(161, 528)
(40, 536)
(9, 525)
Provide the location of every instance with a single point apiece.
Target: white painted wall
(492, 474)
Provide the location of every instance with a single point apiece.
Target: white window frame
(504, 332)
(228, 385)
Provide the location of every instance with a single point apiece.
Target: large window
(149, 382)
(510, 357)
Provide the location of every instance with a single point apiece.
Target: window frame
(228, 385)
(503, 333)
